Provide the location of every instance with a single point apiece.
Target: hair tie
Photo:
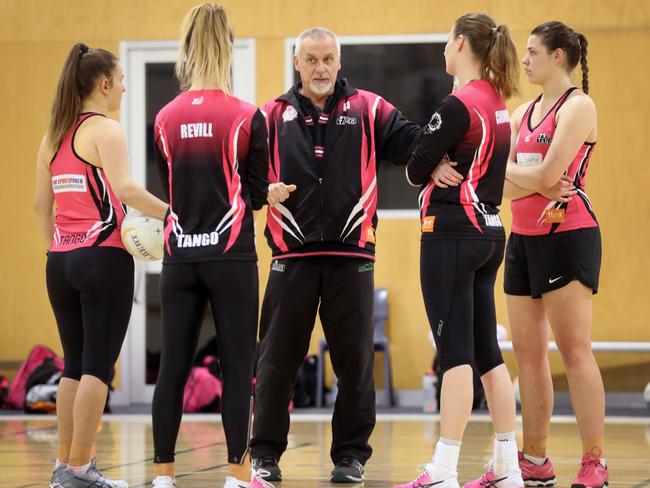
(83, 49)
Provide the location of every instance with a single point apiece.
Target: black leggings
(457, 278)
(340, 289)
(91, 292)
(185, 288)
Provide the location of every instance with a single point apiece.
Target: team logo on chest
(346, 120)
(544, 139)
(289, 114)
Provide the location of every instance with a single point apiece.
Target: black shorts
(538, 264)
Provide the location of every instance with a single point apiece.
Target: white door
(150, 83)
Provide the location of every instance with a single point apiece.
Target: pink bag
(202, 392)
(37, 355)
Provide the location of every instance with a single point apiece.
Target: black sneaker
(267, 468)
(347, 470)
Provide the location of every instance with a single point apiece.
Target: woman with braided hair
(554, 251)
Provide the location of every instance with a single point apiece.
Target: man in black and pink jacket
(326, 138)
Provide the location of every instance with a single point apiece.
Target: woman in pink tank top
(82, 180)
(554, 251)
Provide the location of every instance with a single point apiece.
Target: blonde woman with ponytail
(82, 170)
(554, 251)
(212, 151)
(462, 244)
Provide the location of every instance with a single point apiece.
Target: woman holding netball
(82, 170)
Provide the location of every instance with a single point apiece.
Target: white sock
(535, 460)
(80, 469)
(505, 454)
(58, 464)
(445, 460)
(506, 436)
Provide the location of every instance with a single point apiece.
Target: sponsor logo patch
(529, 159)
(554, 216)
(66, 183)
(370, 235)
(428, 223)
(502, 116)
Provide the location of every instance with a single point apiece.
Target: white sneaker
(163, 482)
(232, 482)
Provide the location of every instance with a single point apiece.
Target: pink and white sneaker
(592, 474)
(257, 481)
(425, 481)
(491, 480)
(536, 475)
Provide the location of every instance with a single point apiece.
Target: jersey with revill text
(87, 211)
(472, 128)
(212, 153)
(537, 215)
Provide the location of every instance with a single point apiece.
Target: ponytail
(80, 72)
(583, 61)
(502, 67)
(67, 102)
(492, 45)
(205, 47)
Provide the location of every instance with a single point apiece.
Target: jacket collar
(347, 90)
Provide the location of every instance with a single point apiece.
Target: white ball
(646, 395)
(143, 236)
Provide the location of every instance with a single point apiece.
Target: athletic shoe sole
(541, 483)
(341, 478)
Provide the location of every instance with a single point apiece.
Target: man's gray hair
(316, 33)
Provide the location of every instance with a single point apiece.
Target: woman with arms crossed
(554, 252)
(462, 244)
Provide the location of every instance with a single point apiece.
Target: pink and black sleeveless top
(536, 215)
(88, 214)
